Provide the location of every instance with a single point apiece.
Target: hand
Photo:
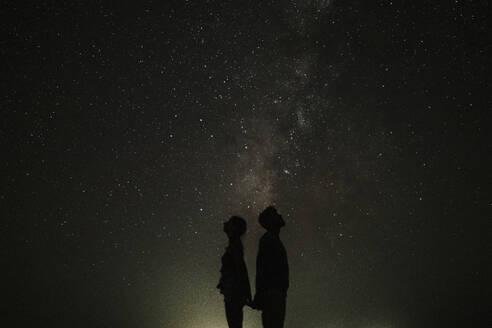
(256, 303)
(248, 302)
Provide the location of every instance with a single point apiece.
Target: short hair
(268, 218)
(240, 223)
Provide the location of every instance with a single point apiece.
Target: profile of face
(278, 220)
(227, 226)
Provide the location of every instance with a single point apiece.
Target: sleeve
(262, 263)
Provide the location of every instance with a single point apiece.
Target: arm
(262, 272)
(260, 267)
(242, 272)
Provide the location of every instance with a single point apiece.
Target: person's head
(235, 227)
(271, 220)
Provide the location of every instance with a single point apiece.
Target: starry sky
(131, 132)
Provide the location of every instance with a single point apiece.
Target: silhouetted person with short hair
(234, 281)
(272, 271)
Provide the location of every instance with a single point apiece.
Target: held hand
(248, 302)
(256, 303)
(253, 304)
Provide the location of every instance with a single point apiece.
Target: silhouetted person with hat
(272, 271)
(234, 281)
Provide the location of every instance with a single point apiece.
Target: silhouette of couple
(272, 272)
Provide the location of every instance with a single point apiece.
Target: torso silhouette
(234, 281)
(272, 268)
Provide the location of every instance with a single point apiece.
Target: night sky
(131, 132)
